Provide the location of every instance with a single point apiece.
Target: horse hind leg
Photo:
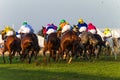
(70, 57)
(44, 56)
(10, 57)
(3, 57)
(23, 55)
(30, 55)
(35, 54)
(54, 55)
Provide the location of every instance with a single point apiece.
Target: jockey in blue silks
(82, 25)
(50, 28)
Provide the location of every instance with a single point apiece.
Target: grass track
(106, 68)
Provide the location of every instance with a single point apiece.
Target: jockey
(64, 26)
(107, 33)
(91, 28)
(115, 34)
(26, 28)
(50, 28)
(82, 25)
(8, 31)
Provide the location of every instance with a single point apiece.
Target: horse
(99, 45)
(41, 41)
(69, 44)
(113, 46)
(12, 45)
(76, 29)
(51, 44)
(100, 33)
(1, 40)
(29, 45)
(42, 32)
(112, 43)
(92, 44)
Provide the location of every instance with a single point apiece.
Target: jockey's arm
(58, 28)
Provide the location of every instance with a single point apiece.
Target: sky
(38, 13)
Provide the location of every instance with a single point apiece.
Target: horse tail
(12, 44)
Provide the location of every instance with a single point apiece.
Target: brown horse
(52, 45)
(12, 45)
(69, 45)
(29, 45)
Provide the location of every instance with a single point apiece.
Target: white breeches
(82, 29)
(50, 31)
(65, 28)
(10, 33)
(93, 31)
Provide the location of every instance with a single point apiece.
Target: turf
(106, 68)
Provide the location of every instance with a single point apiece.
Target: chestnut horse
(52, 45)
(12, 45)
(29, 45)
(69, 44)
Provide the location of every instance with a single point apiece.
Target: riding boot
(46, 38)
(5, 38)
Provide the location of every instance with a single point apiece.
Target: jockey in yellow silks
(8, 31)
(107, 32)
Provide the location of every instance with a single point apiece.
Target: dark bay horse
(52, 45)
(69, 45)
(12, 45)
(29, 45)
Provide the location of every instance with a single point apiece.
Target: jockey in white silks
(25, 28)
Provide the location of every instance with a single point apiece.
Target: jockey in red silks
(91, 28)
